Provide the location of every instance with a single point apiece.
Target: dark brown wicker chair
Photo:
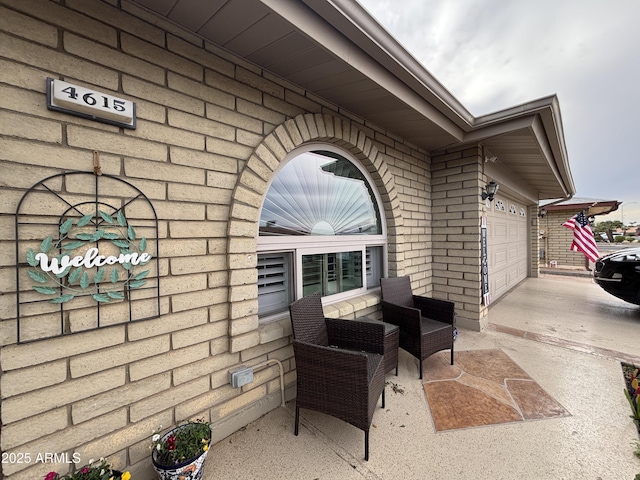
(426, 324)
(339, 365)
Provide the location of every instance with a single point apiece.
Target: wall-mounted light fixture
(490, 190)
(542, 212)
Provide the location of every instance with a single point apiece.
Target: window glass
(331, 273)
(320, 230)
(315, 194)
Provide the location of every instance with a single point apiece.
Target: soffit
(519, 152)
(336, 51)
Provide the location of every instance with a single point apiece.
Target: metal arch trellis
(82, 225)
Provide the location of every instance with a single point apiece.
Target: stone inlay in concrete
(484, 387)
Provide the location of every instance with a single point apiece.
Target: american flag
(583, 240)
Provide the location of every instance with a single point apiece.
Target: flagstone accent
(484, 387)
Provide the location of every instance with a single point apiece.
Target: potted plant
(632, 390)
(100, 470)
(180, 453)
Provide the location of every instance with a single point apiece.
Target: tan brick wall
(211, 131)
(457, 208)
(557, 240)
(536, 242)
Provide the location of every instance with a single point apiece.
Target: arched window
(320, 230)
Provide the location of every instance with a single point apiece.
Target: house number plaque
(87, 103)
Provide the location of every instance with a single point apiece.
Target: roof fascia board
(360, 27)
(339, 44)
(542, 138)
(552, 121)
(501, 128)
(527, 108)
(613, 204)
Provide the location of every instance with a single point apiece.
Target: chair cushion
(429, 325)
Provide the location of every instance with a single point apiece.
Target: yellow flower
(205, 448)
(126, 476)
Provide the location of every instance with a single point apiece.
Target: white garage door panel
(507, 245)
(500, 257)
(515, 274)
(514, 253)
(500, 230)
(498, 284)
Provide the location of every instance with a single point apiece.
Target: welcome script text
(91, 259)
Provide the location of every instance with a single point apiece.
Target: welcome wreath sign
(75, 236)
(87, 256)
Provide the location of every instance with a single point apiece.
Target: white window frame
(307, 245)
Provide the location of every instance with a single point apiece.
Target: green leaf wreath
(106, 284)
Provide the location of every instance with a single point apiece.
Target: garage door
(507, 245)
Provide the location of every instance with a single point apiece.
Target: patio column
(457, 181)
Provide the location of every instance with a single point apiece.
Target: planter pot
(190, 469)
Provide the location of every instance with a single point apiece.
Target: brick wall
(557, 240)
(211, 131)
(457, 184)
(536, 242)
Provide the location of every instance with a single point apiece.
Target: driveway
(573, 310)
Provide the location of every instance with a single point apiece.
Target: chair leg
(451, 354)
(383, 397)
(366, 444)
(420, 369)
(295, 432)
(396, 370)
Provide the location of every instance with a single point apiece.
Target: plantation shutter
(274, 282)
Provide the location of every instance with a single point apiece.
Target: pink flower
(84, 470)
(51, 476)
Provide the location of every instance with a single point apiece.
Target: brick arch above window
(252, 185)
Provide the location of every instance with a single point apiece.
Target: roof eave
(359, 27)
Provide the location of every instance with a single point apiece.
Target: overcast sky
(494, 54)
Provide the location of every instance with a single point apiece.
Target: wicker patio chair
(426, 324)
(339, 363)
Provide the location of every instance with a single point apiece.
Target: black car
(619, 274)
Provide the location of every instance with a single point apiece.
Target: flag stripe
(583, 239)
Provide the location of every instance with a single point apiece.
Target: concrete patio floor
(565, 332)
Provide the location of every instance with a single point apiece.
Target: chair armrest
(407, 318)
(356, 335)
(435, 309)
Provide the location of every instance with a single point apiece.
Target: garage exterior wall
(458, 179)
(211, 130)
